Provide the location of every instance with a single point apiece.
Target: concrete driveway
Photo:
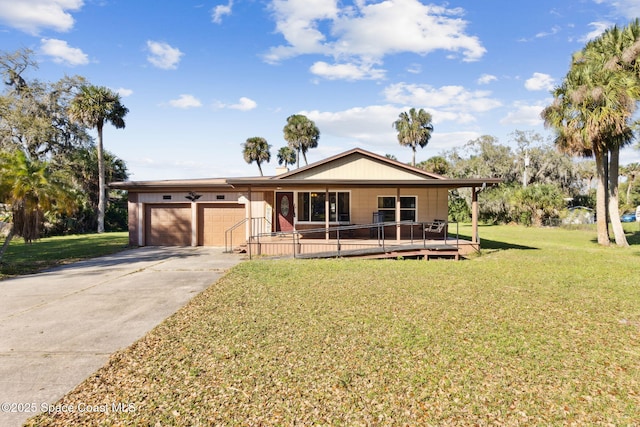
(60, 326)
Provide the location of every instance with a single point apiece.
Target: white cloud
(486, 79)
(366, 32)
(185, 101)
(244, 104)
(371, 128)
(221, 10)
(32, 16)
(62, 53)
(554, 30)
(540, 81)
(346, 71)
(598, 28)
(415, 69)
(523, 114)
(369, 125)
(446, 103)
(405, 26)
(163, 55)
(124, 92)
(628, 8)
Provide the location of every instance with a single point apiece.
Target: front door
(284, 211)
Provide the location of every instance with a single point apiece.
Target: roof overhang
(431, 183)
(241, 183)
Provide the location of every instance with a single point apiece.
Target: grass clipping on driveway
(510, 338)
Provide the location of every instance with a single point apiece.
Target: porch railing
(258, 226)
(376, 232)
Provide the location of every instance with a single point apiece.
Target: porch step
(242, 249)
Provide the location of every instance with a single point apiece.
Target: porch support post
(474, 216)
(398, 214)
(327, 213)
(247, 236)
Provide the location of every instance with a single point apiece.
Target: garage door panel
(215, 219)
(168, 225)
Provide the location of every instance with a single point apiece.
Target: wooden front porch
(417, 240)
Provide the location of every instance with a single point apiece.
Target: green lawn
(542, 328)
(24, 258)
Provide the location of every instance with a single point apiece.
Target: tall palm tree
(592, 112)
(286, 156)
(302, 134)
(615, 53)
(31, 189)
(256, 149)
(92, 107)
(414, 129)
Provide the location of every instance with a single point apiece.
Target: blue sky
(200, 77)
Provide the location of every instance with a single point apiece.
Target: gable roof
(358, 164)
(356, 167)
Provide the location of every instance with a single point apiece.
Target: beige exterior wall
(432, 203)
(357, 167)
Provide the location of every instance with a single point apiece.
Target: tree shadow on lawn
(498, 245)
(633, 238)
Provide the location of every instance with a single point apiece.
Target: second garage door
(215, 219)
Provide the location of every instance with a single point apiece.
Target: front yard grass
(22, 258)
(543, 328)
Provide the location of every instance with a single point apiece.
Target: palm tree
(591, 114)
(92, 107)
(31, 189)
(286, 156)
(615, 54)
(301, 134)
(414, 129)
(256, 149)
(436, 164)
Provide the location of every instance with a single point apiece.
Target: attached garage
(216, 218)
(168, 224)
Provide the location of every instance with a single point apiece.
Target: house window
(387, 208)
(311, 206)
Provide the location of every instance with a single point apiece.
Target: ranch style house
(346, 202)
